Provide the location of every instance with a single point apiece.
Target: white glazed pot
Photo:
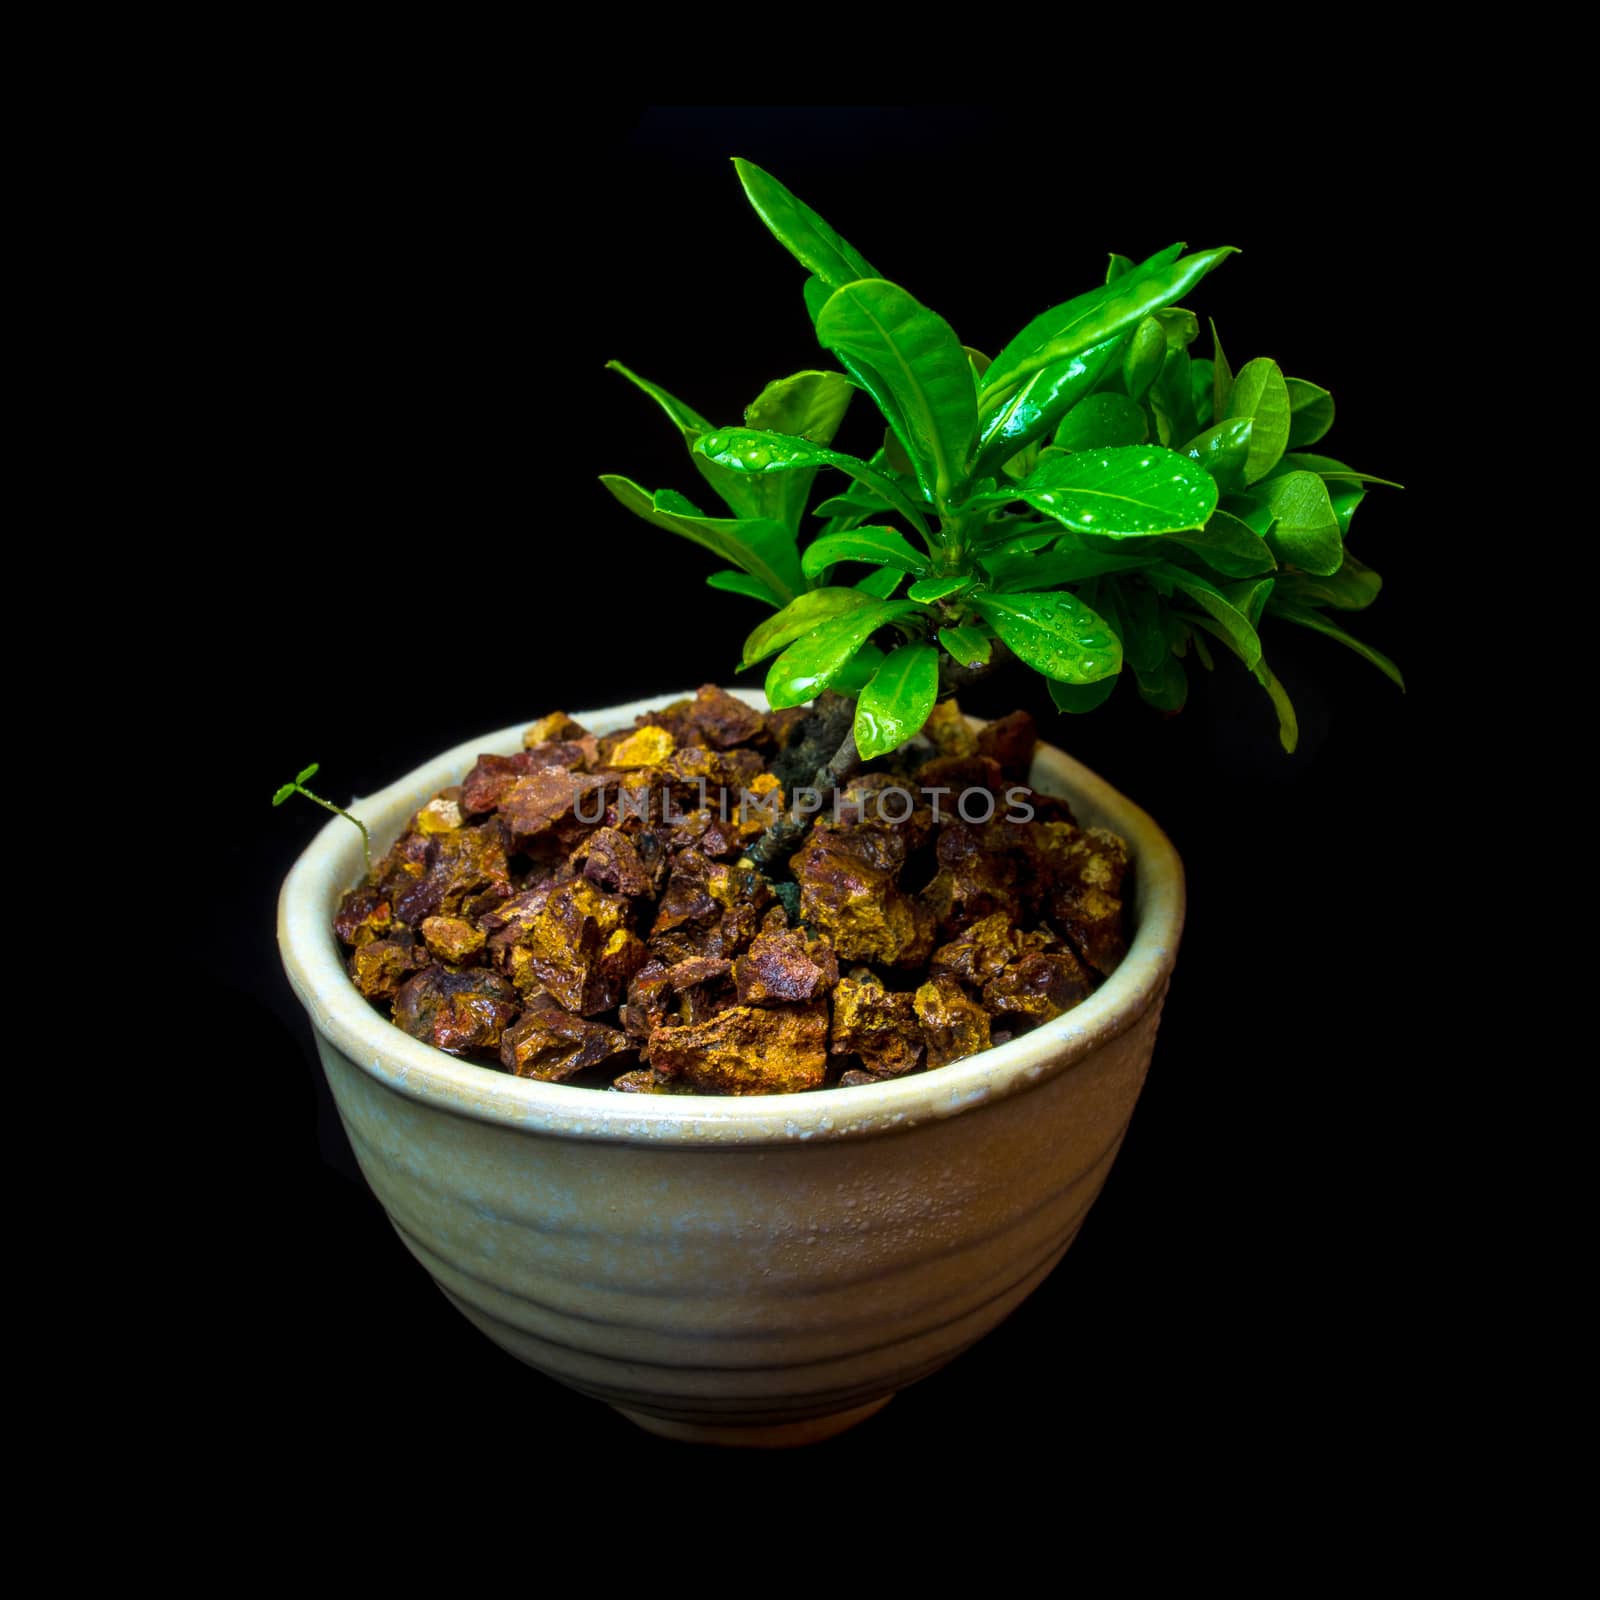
(761, 1270)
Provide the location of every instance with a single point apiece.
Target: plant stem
(786, 835)
(339, 811)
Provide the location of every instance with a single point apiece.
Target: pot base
(772, 1436)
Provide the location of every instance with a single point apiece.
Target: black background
(422, 552)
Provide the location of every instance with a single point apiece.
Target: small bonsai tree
(1091, 499)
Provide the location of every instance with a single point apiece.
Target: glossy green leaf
(1054, 633)
(283, 794)
(881, 546)
(1100, 422)
(800, 230)
(882, 583)
(1223, 451)
(1344, 498)
(968, 646)
(685, 418)
(1139, 623)
(805, 405)
(741, 583)
(1305, 529)
(1165, 686)
(1182, 327)
(1144, 358)
(1221, 378)
(1327, 467)
(813, 661)
(1352, 588)
(1047, 569)
(1076, 325)
(1129, 491)
(857, 673)
(1080, 697)
(763, 549)
(1040, 537)
(742, 497)
(308, 772)
(921, 362)
(1171, 401)
(1259, 392)
(895, 704)
(1250, 598)
(1320, 624)
(1235, 627)
(1288, 723)
(750, 451)
(1027, 414)
(929, 590)
(799, 617)
(1310, 412)
(1202, 387)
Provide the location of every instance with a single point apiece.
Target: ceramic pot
(763, 1270)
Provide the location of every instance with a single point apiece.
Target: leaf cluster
(1094, 497)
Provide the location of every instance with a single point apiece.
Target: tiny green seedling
(297, 786)
(1090, 499)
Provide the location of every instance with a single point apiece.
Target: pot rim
(316, 970)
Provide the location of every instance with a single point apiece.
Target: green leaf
(308, 772)
(1310, 411)
(805, 405)
(799, 617)
(800, 230)
(895, 704)
(923, 371)
(743, 498)
(1080, 697)
(967, 646)
(283, 794)
(929, 590)
(882, 583)
(1026, 415)
(1288, 724)
(1073, 327)
(1139, 623)
(1202, 386)
(1221, 377)
(687, 420)
(1182, 327)
(751, 451)
(763, 549)
(1305, 530)
(1146, 355)
(1232, 625)
(741, 583)
(1171, 399)
(1249, 599)
(1327, 467)
(1131, 491)
(880, 546)
(812, 662)
(1164, 686)
(1054, 633)
(1320, 624)
(1038, 537)
(1344, 498)
(1101, 421)
(1352, 588)
(1223, 451)
(1070, 565)
(1260, 392)
(857, 673)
